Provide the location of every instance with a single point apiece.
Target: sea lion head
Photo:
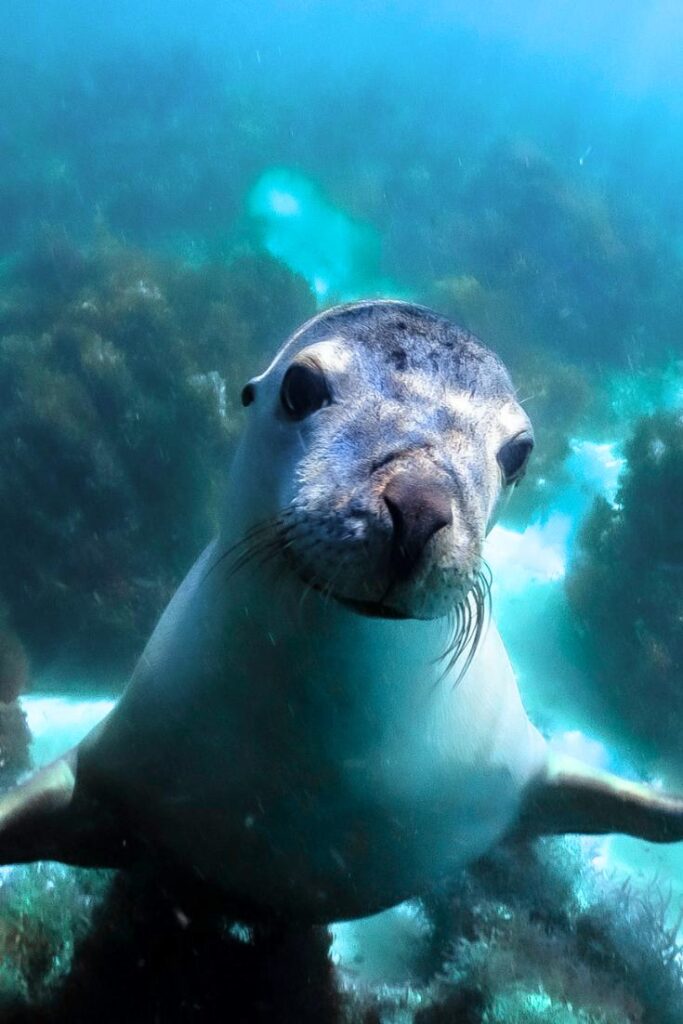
(382, 441)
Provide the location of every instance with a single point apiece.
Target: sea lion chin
(325, 721)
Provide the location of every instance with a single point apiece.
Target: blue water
(182, 184)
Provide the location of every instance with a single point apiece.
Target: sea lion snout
(419, 506)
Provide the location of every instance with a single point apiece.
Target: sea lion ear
(248, 393)
(570, 796)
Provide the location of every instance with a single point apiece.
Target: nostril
(419, 507)
(396, 513)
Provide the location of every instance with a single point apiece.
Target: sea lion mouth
(371, 609)
(467, 615)
(467, 619)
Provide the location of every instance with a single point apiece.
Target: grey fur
(336, 524)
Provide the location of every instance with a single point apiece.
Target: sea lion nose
(419, 507)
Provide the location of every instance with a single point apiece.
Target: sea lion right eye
(304, 390)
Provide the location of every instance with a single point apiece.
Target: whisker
(262, 542)
(311, 583)
(250, 535)
(263, 551)
(328, 589)
(467, 623)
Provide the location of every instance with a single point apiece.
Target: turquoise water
(181, 185)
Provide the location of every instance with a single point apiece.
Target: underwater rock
(15, 739)
(564, 264)
(97, 947)
(14, 667)
(45, 911)
(529, 934)
(122, 375)
(626, 589)
(587, 271)
(15, 735)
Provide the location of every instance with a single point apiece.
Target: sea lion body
(335, 765)
(333, 769)
(325, 721)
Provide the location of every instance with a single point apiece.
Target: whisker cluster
(259, 544)
(468, 622)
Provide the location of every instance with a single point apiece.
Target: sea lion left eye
(304, 390)
(513, 457)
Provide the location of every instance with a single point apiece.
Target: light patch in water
(383, 949)
(320, 287)
(284, 204)
(575, 743)
(537, 554)
(337, 255)
(596, 467)
(58, 723)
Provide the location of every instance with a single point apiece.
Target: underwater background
(181, 184)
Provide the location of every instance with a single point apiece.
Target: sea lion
(325, 722)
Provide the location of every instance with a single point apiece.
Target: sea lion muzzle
(419, 506)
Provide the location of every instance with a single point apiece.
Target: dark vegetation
(536, 936)
(142, 952)
(120, 374)
(525, 936)
(557, 263)
(626, 588)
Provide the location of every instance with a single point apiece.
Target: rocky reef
(528, 935)
(626, 589)
(120, 374)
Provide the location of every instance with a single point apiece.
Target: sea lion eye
(513, 457)
(304, 390)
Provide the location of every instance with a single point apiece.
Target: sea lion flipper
(32, 810)
(47, 817)
(570, 796)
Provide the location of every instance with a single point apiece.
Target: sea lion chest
(317, 767)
